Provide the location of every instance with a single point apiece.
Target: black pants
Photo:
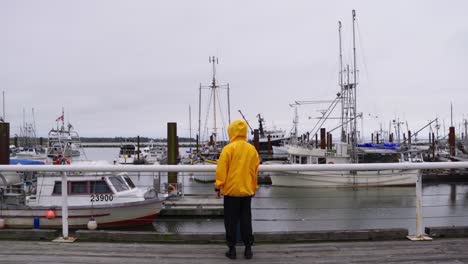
(238, 209)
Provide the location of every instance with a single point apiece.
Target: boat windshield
(119, 183)
(129, 182)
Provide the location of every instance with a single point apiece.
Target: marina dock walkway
(395, 251)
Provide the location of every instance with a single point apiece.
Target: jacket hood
(237, 130)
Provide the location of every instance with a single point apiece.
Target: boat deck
(397, 251)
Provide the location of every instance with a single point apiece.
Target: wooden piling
(409, 137)
(323, 142)
(452, 140)
(171, 150)
(5, 143)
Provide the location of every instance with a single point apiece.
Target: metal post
(419, 214)
(64, 206)
(65, 238)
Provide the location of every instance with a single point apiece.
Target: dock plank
(398, 251)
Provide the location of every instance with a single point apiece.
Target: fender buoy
(50, 214)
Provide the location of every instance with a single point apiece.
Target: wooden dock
(395, 251)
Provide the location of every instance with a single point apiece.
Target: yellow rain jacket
(236, 173)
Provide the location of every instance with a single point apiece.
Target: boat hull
(126, 214)
(345, 178)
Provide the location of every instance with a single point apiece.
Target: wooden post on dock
(171, 151)
(323, 134)
(256, 140)
(269, 147)
(409, 137)
(5, 143)
(329, 141)
(433, 146)
(41, 141)
(452, 140)
(372, 137)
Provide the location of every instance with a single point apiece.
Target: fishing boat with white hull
(344, 152)
(111, 199)
(63, 141)
(302, 155)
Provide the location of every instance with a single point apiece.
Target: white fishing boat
(130, 154)
(154, 153)
(306, 155)
(63, 141)
(111, 199)
(32, 153)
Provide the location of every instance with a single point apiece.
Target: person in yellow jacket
(236, 180)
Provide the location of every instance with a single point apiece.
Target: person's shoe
(231, 253)
(248, 252)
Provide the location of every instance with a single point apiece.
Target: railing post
(419, 214)
(65, 237)
(64, 205)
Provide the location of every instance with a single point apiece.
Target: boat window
(296, 159)
(129, 182)
(79, 187)
(99, 187)
(119, 183)
(57, 188)
(322, 160)
(303, 160)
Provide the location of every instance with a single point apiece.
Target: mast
(199, 113)
(354, 105)
(213, 90)
(190, 127)
(63, 119)
(343, 132)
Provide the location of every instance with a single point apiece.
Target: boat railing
(65, 170)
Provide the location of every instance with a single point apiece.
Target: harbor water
(276, 209)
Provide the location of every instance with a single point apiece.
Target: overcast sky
(126, 68)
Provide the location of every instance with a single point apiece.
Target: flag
(59, 118)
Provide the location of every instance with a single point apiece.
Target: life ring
(171, 188)
(62, 161)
